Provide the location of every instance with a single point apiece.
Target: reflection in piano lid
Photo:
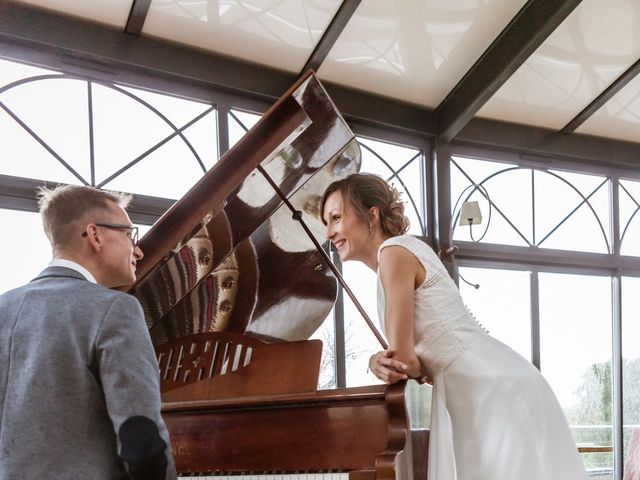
(245, 265)
(232, 288)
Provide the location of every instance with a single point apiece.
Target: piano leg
(419, 440)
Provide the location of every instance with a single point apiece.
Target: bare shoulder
(395, 252)
(397, 262)
(395, 258)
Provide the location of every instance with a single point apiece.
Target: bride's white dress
(493, 416)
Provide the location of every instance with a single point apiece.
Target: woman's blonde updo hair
(365, 190)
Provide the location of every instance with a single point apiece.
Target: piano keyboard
(289, 476)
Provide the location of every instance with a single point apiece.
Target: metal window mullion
(615, 215)
(535, 318)
(441, 217)
(548, 259)
(533, 207)
(426, 179)
(617, 375)
(92, 153)
(223, 129)
(340, 347)
(441, 205)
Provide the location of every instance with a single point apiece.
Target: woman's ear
(374, 215)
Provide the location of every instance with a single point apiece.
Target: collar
(61, 262)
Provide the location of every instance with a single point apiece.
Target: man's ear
(94, 238)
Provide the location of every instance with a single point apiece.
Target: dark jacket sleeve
(129, 374)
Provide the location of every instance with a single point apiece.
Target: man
(79, 386)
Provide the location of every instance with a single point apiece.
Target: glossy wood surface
(226, 365)
(228, 256)
(208, 194)
(344, 429)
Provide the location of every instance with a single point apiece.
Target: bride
(493, 416)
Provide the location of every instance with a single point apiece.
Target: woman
(493, 415)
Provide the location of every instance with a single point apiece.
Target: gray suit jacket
(79, 385)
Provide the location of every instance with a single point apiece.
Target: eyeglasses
(132, 234)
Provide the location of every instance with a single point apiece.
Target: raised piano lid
(228, 256)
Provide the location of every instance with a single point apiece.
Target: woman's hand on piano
(387, 368)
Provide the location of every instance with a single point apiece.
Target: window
(630, 360)
(240, 123)
(556, 226)
(575, 343)
(629, 195)
(60, 128)
(501, 304)
(24, 248)
(402, 167)
(533, 207)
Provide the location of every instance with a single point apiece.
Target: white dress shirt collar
(61, 262)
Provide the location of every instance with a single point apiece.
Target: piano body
(232, 287)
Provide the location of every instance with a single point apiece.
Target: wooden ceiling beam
(137, 16)
(520, 38)
(617, 85)
(330, 36)
(525, 140)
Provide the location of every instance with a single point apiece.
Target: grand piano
(233, 283)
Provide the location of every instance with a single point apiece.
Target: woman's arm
(399, 270)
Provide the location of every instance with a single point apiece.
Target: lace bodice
(443, 326)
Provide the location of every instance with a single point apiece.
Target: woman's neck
(371, 257)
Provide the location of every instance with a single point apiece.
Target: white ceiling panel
(619, 117)
(588, 51)
(108, 12)
(415, 50)
(278, 33)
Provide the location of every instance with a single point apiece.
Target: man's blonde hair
(65, 210)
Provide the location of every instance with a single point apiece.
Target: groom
(79, 386)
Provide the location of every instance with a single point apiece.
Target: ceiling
(565, 66)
